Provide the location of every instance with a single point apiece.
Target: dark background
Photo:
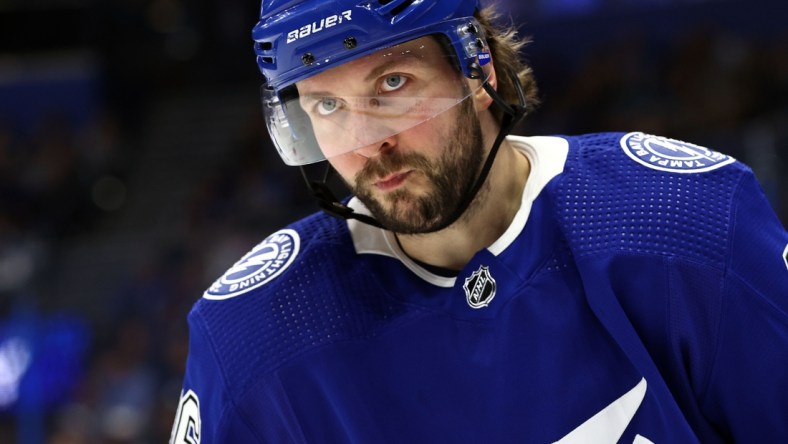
(135, 168)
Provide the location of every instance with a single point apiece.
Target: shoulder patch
(265, 262)
(674, 156)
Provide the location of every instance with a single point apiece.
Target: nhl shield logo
(480, 288)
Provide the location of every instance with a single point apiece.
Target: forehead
(424, 53)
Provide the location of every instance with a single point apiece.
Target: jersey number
(186, 429)
(785, 256)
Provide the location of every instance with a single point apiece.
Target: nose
(380, 147)
(373, 127)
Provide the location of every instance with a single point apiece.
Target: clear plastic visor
(365, 101)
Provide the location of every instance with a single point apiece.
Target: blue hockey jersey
(640, 295)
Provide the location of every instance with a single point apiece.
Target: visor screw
(308, 59)
(350, 42)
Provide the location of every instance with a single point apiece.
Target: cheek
(347, 165)
(431, 136)
(428, 139)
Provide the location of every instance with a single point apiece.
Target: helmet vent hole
(267, 46)
(402, 6)
(268, 60)
(394, 7)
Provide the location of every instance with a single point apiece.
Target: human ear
(480, 97)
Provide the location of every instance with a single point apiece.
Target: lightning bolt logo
(261, 265)
(663, 154)
(689, 153)
(256, 260)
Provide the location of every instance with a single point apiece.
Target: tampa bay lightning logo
(663, 154)
(265, 262)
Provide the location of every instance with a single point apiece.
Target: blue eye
(327, 105)
(393, 82)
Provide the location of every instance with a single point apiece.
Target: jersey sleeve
(747, 392)
(206, 413)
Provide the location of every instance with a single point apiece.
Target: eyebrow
(407, 58)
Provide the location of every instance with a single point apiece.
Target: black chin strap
(328, 202)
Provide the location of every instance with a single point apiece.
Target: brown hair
(505, 46)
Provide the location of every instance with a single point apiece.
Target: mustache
(391, 163)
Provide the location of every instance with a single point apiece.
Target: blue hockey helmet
(299, 39)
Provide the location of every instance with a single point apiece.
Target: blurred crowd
(62, 182)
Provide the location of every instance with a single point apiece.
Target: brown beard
(450, 176)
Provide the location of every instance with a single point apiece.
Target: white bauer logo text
(315, 27)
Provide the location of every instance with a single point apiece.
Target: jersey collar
(547, 156)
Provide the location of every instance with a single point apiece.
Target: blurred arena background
(135, 168)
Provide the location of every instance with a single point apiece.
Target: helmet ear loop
(482, 98)
(515, 111)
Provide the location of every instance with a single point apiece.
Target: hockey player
(479, 287)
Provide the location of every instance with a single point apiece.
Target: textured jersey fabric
(637, 297)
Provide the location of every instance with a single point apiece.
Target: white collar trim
(547, 156)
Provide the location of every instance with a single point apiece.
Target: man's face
(412, 166)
